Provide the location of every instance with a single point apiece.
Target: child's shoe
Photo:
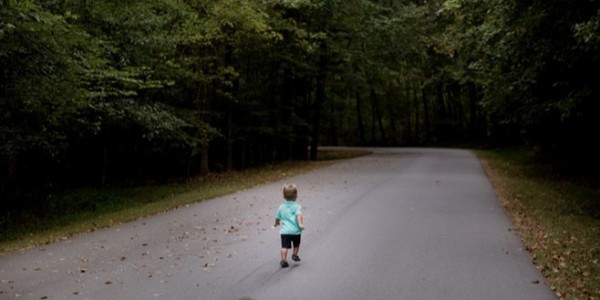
(295, 257)
(284, 264)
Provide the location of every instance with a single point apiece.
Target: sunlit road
(397, 224)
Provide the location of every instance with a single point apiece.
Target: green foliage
(529, 58)
(43, 61)
(125, 91)
(586, 33)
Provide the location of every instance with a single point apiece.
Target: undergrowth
(557, 217)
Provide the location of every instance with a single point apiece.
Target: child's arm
(276, 222)
(300, 221)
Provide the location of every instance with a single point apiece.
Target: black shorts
(288, 239)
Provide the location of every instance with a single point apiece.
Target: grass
(557, 218)
(85, 210)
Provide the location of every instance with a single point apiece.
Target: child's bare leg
(284, 253)
(295, 256)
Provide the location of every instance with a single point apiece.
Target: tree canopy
(128, 92)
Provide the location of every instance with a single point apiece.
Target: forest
(132, 92)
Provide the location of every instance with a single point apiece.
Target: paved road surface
(398, 224)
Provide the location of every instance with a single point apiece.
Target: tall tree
(44, 64)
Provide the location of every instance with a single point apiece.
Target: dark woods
(97, 93)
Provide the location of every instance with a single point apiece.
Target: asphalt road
(397, 224)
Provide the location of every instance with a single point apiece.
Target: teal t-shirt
(287, 214)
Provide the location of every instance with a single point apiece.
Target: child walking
(289, 216)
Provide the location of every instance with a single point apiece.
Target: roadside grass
(558, 219)
(86, 210)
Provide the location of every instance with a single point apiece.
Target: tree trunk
(361, 126)
(407, 114)
(229, 99)
(392, 114)
(426, 118)
(441, 116)
(204, 96)
(459, 118)
(378, 116)
(319, 100)
(417, 139)
(474, 128)
(14, 187)
(204, 160)
(104, 172)
(286, 115)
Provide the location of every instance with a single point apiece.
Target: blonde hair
(290, 192)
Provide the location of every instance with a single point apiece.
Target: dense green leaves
(113, 92)
(532, 60)
(41, 81)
